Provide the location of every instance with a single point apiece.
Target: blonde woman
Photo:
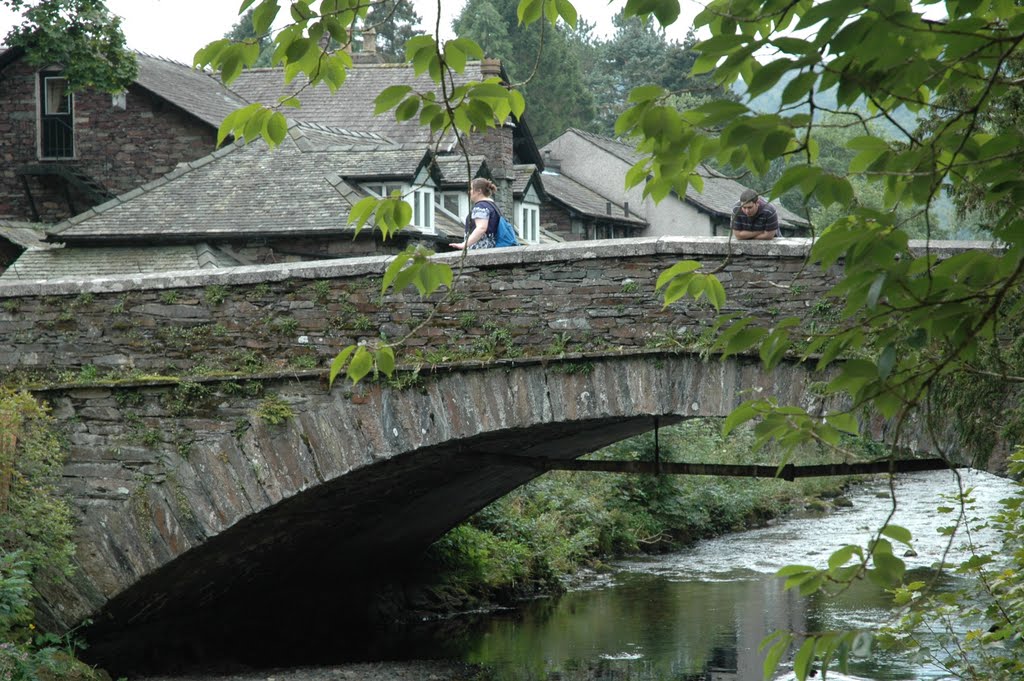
(482, 221)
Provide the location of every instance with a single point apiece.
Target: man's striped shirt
(766, 219)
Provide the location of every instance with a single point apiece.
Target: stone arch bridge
(218, 485)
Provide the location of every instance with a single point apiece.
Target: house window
(423, 208)
(455, 204)
(56, 117)
(384, 189)
(529, 223)
(421, 201)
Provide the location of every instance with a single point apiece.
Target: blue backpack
(506, 235)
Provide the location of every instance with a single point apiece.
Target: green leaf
(389, 98)
(804, 657)
(680, 268)
(567, 12)
(361, 365)
(454, 57)
(740, 415)
(775, 653)
(667, 11)
(529, 11)
(715, 291)
(900, 534)
(843, 555)
(276, 129)
(263, 16)
(385, 360)
(646, 93)
(845, 422)
(338, 363)
(407, 109)
(394, 268)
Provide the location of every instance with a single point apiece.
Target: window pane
(57, 99)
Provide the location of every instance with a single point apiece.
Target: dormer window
(528, 217)
(56, 117)
(419, 197)
(455, 204)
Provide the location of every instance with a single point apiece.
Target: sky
(177, 28)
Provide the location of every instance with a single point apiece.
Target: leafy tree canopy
(80, 35)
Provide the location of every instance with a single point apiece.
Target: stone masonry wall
(545, 300)
(119, 148)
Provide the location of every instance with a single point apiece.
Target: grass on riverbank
(527, 541)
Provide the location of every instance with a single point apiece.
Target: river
(702, 612)
(694, 615)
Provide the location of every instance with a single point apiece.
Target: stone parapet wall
(542, 300)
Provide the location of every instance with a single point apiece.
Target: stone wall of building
(119, 149)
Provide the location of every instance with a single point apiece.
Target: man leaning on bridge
(754, 218)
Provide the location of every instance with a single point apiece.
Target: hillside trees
(539, 57)
(395, 22)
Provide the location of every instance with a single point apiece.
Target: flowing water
(702, 612)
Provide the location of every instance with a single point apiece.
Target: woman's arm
(474, 236)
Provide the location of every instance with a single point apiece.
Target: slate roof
(720, 193)
(24, 234)
(352, 107)
(453, 169)
(525, 175)
(193, 90)
(245, 191)
(573, 195)
(89, 263)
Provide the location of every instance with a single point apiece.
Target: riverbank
(529, 543)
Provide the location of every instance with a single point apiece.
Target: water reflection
(642, 627)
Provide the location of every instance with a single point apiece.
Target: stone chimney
(367, 53)
(490, 68)
(551, 163)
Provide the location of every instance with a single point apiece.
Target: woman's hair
(484, 186)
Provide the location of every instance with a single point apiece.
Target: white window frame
(463, 200)
(419, 196)
(528, 222)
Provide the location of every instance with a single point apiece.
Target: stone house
(65, 152)
(158, 216)
(584, 175)
(245, 204)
